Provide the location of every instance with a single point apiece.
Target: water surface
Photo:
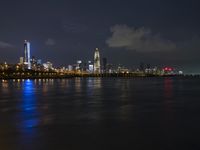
(100, 113)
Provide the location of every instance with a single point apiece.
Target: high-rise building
(104, 65)
(27, 55)
(70, 67)
(39, 61)
(33, 61)
(97, 66)
(78, 64)
(90, 67)
(21, 60)
(48, 65)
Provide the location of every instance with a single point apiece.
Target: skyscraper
(27, 59)
(97, 61)
(104, 65)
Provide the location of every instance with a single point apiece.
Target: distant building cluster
(96, 66)
(31, 63)
(28, 62)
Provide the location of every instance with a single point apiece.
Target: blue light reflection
(29, 105)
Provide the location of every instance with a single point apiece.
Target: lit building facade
(78, 65)
(48, 66)
(97, 67)
(90, 67)
(21, 60)
(27, 55)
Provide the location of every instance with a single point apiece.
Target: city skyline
(131, 32)
(34, 67)
(96, 65)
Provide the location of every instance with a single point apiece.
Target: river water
(100, 114)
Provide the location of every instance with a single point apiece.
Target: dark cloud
(139, 39)
(5, 45)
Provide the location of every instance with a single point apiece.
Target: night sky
(156, 32)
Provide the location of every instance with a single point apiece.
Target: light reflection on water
(168, 87)
(108, 106)
(93, 86)
(29, 111)
(28, 116)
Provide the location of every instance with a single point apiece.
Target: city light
(31, 67)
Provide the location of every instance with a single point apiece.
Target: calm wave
(100, 113)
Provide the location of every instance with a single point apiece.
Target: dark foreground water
(100, 114)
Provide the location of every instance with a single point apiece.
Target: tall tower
(27, 59)
(97, 68)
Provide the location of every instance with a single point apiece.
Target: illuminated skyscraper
(97, 68)
(27, 59)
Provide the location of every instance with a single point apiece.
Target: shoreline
(67, 76)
